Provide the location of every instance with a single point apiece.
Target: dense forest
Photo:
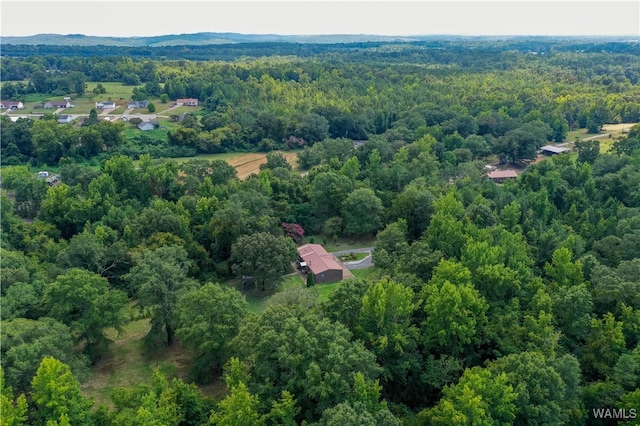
(494, 304)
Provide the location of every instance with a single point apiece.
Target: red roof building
(324, 266)
(502, 175)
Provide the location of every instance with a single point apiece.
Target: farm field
(245, 163)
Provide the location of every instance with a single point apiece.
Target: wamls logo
(611, 413)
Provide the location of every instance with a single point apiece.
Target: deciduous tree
(207, 319)
(362, 212)
(83, 300)
(56, 393)
(159, 278)
(264, 256)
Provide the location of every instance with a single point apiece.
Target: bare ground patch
(248, 164)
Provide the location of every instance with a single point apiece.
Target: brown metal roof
(317, 258)
(502, 174)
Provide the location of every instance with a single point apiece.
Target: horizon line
(337, 34)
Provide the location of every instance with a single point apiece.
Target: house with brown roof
(187, 102)
(58, 104)
(324, 266)
(502, 175)
(9, 105)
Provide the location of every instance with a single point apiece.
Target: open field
(245, 163)
(114, 91)
(126, 363)
(608, 135)
(167, 109)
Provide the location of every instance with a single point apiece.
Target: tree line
(522, 295)
(514, 303)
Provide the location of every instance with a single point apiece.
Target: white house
(64, 119)
(187, 102)
(105, 105)
(138, 104)
(58, 104)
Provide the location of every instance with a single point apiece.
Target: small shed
(324, 266)
(145, 125)
(553, 150)
(502, 175)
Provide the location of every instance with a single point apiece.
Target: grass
(132, 131)
(366, 274)
(342, 243)
(164, 109)
(210, 157)
(352, 257)
(114, 91)
(258, 300)
(126, 363)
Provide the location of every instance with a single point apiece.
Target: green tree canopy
(158, 279)
(208, 318)
(362, 212)
(83, 300)
(263, 256)
(56, 393)
(25, 343)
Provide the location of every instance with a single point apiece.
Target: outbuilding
(553, 150)
(502, 175)
(324, 266)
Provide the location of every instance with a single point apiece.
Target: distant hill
(202, 39)
(194, 39)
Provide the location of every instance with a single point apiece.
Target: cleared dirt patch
(617, 127)
(248, 164)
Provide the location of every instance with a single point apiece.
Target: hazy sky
(157, 17)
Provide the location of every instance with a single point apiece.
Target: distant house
(58, 104)
(65, 119)
(187, 102)
(10, 105)
(324, 266)
(105, 105)
(502, 175)
(138, 104)
(145, 125)
(553, 150)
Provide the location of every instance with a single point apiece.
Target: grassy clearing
(114, 90)
(366, 274)
(166, 109)
(126, 363)
(342, 243)
(131, 132)
(210, 157)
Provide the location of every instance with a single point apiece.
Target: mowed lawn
(608, 135)
(126, 364)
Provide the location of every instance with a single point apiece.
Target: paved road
(357, 264)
